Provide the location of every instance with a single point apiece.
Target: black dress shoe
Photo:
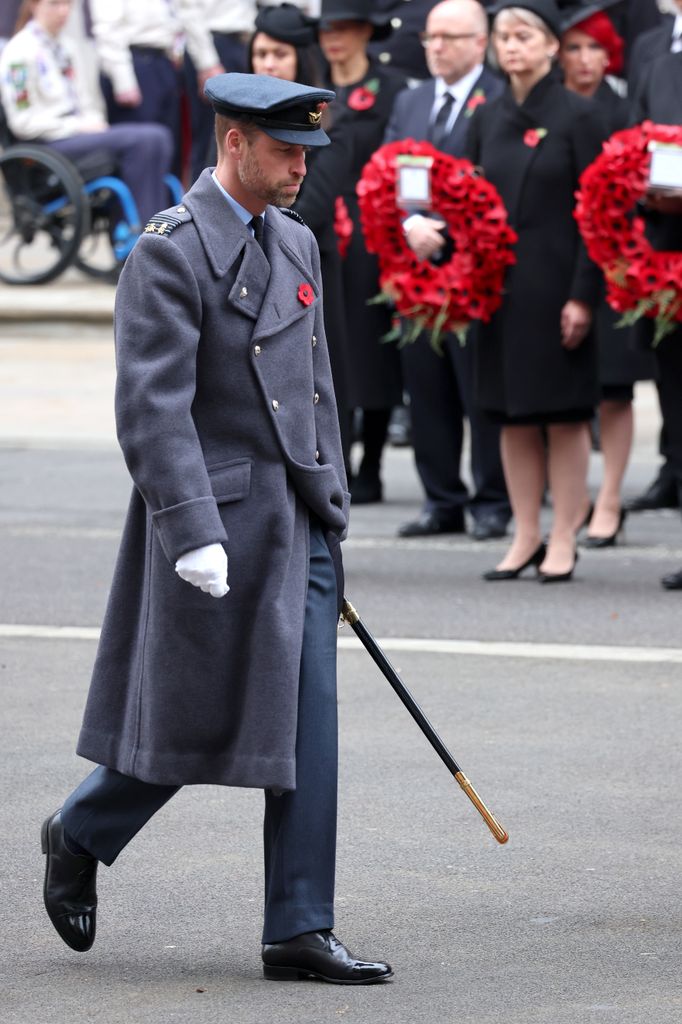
(673, 581)
(70, 893)
(319, 955)
(662, 493)
(488, 526)
(429, 523)
(366, 489)
(606, 542)
(497, 575)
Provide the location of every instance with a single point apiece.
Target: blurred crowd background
(528, 92)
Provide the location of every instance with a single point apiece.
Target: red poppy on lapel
(477, 100)
(534, 137)
(305, 294)
(365, 96)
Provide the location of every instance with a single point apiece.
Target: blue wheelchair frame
(127, 231)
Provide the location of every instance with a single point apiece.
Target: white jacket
(42, 93)
(119, 24)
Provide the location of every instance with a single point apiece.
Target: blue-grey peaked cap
(287, 111)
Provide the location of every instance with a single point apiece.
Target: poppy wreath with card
(468, 286)
(641, 281)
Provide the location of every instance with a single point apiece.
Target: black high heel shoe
(611, 540)
(493, 575)
(558, 577)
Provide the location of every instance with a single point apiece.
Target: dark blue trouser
(160, 84)
(232, 54)
(441, 390)
(143, 154)
(108, 809)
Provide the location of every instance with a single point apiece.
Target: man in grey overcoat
(226, 417)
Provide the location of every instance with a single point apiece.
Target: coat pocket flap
(230, 481)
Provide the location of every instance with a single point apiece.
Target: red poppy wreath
(468, 286)
(641, 281)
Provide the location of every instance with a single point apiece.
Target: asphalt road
(561, 703)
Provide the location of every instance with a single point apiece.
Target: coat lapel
(524, 118)
(281, 305)
(228, 241)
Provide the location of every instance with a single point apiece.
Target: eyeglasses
(444, 37)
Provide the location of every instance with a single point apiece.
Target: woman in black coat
(591, 49)
(365, 92)
(537, 359)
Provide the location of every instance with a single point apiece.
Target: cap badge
(314, 116)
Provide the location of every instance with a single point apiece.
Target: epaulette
(292, 213)
(168, 220)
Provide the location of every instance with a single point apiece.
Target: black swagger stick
(349, 614)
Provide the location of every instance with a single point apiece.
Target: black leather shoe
(497, 575)
(488, 526)
(429, 524)
(609, 541)
(366, 489)
(673, 581)
(70, 893)
(662, 493)
(319, 955)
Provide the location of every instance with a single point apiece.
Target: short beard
(251, 177)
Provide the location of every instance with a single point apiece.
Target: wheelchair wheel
(96, 256)
(43, 214)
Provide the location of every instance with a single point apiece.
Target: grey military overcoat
(226, 417)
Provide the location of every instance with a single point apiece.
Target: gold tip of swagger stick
(349, 613)
(489, 818)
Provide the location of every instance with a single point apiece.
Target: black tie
(257, 224)
(437, 131)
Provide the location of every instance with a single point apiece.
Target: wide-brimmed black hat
(288, 24)
(287, 111)
(574, 12)
(545, 9)
(355, 10)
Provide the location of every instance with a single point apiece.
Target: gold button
(317, 455)
(316, 398)
(243, 293)
(182, 209)
(256, 350)
(275, 404)
(314, 341)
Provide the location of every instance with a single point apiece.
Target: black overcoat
(328, 168)
(374, 368)
(620, 361)
(522, 368)
(226, 417)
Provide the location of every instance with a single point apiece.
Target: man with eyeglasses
(441, 387)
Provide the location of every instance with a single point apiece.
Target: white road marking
(417, 645)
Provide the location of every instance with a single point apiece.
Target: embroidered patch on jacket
(18, 79)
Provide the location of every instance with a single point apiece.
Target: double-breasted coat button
(243, 293)
(275, 404)
(314, 341)
(316, 398)
(317, 454)
(256, 350)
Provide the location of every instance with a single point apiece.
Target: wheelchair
(57, 212)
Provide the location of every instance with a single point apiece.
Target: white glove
(206, 568)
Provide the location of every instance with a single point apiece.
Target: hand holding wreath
(641, 281)
(467, 286)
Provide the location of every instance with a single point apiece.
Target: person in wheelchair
(45, 100)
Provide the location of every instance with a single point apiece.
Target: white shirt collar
(461, 88)
(677, 27)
